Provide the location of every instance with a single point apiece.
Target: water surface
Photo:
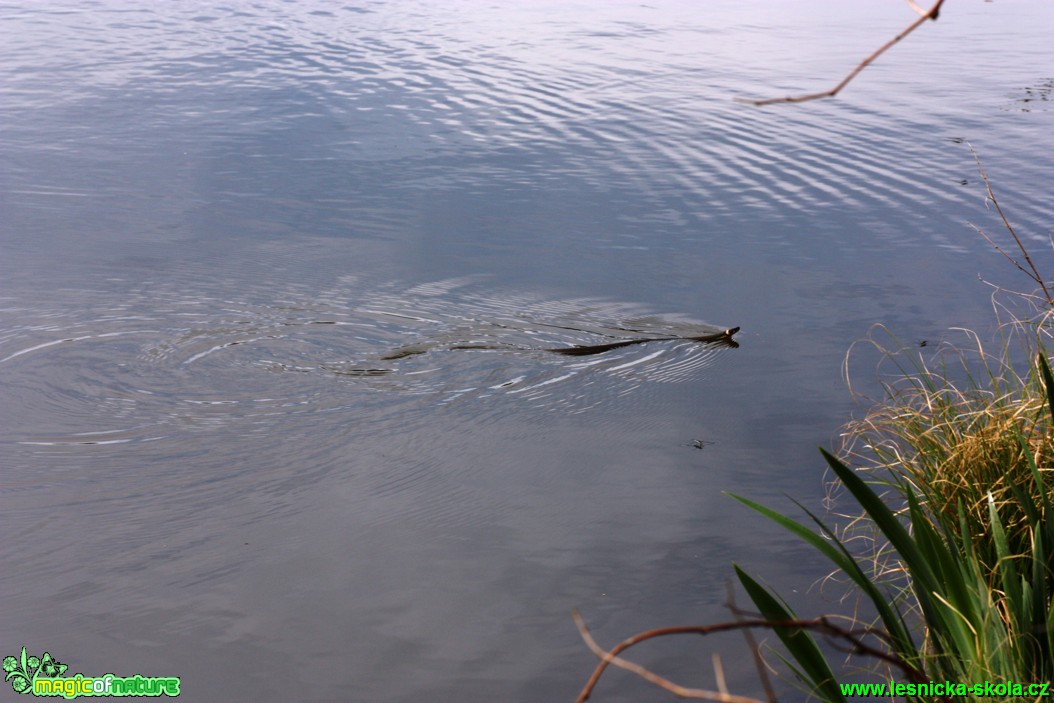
(228, 231)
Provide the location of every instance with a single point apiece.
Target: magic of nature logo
(43, 676)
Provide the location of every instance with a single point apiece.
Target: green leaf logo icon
(23, 670)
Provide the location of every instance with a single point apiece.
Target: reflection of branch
(930, 14)
(854, 638)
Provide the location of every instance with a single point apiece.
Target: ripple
(514, 98)
(163, 365)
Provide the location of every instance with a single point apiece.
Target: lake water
(245, 246)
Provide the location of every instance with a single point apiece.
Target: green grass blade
(1048, 381)
(887, 523)
(1005, 566)
(799, 642)
(807, 535)
(833, 549)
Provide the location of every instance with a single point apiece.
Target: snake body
(723, 338)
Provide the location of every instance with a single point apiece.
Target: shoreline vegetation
(949, 540)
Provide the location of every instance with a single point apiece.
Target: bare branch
(822, 625)
(675, 689)
(930, 14)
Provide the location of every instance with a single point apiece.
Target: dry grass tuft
(960, 429)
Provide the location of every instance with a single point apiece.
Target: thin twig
(916, 8)
(999, 249)
(930, 14)
(1034, 274)
(755, 650)
(719, 674)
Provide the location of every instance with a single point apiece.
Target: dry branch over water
(931, 14)
(853, 638)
